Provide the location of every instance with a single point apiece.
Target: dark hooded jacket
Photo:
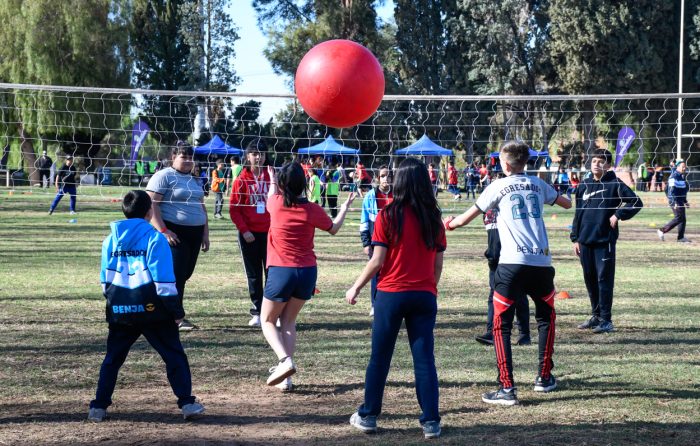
(596, 202)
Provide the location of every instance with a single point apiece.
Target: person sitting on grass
(409, 242)
(524, 267)
(291, 262)
(138, 282)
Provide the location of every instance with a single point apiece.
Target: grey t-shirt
(520, 200)
(182, 197)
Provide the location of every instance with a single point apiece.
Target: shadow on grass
(544, 433)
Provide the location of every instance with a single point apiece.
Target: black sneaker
(590, 324)
(186, 325)
(524, 339)
(501, 397)
(486, 339)
(604, 327)
(545, 385)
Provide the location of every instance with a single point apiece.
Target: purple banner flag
(138, 136)
(624, 142)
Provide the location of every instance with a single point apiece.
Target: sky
(252, 67)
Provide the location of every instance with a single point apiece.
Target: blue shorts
(285, 282)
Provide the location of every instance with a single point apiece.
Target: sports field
(639, 385)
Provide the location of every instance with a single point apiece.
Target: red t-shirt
(409, 264)
(382, 199)
(290, 241)
(433, 175)
(452, 172)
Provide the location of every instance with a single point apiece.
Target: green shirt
(315, 189)
(333, 184)
(235, 171)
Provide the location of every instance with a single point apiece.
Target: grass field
(639, 385)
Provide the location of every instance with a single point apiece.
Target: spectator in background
(313, 191)
(234, 171)
(658, 179)
(375, 200)
(574, 182)
(562, 182)
(484, 179)
(642, 173)
(332, 188)
(472, 181)
(453, 181)
(678, 200)
(218, 186)
(66, 180)
(44, 164)
(432, 173)
(363, 180)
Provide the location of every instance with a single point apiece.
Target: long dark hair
(291, 182)
(412, 188)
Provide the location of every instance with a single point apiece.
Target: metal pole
(680, 84)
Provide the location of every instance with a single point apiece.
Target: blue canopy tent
(424, 147)
(217, 147)
(329, 147)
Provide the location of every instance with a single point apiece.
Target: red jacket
(245, 194)
(452, 173)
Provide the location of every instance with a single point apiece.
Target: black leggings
(185, 253)
(255, 264)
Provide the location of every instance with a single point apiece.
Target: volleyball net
(120, 137)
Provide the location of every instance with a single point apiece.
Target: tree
(87, 48)
(161, 58)
(626, 46)
(209, 32)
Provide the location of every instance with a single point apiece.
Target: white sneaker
(96, 414)
(281, 371)
(286, 385)
(660, 233)
(73, 213)
(683, 240)
(254, 321)
(190, 411)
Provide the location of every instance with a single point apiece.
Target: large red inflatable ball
(339, 83)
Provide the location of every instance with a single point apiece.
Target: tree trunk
(28, 155)
(589, 128)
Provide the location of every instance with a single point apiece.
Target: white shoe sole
(500, 402)
(366, 430)
(192, 416)
(545, 389)
(278, 377)
(285, 386)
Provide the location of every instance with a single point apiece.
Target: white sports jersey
(520, 200)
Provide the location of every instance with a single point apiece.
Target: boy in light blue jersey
(524, 267)
(138, 282)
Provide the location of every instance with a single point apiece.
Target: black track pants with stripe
(513, 283)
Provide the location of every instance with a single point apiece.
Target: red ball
(339, 83)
